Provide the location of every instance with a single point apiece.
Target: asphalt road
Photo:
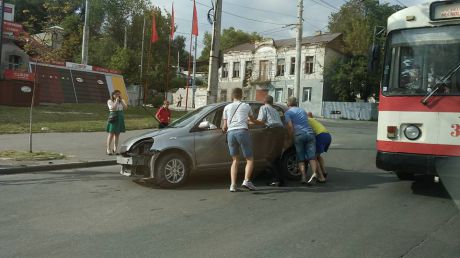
(360, 212)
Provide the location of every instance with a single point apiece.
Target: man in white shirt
(236, 116)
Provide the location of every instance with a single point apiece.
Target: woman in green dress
(116, 121)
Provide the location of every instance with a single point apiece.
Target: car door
(259, 136)
(211, 149)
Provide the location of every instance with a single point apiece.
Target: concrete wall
(133, 94)
(200, 97)
(350, 110)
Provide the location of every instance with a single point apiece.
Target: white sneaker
(248, 185)
(232, 188)
(124, 172)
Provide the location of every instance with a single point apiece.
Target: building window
(248, 69)
(224, 70)
(278, 95)
(223, 95)
(263, 70)
(292, 67)
(246, 94)
(281, 64)
(309, 65)
(236, 69)
(290, 92)
(14, 62)
(306, 94)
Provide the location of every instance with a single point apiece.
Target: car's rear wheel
(289, 166)
(172, 170)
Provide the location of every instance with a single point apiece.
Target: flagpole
(148, 69)
(167, 69)
(194, 73)
(171, 37)
(142, 66)
(188, 71)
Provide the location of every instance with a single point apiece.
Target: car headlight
(412, 132)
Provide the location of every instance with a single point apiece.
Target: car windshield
(190, 117)
(417, 60)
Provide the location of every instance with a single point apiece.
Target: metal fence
(351, 110)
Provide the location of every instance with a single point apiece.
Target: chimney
(318, 33)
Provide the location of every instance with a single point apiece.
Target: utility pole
(141, 81)
(213, 76)
(2, 6)
(178, 63)
(84, 48)
(298, 49)
(125, 42)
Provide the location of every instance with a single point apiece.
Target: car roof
(281, 105)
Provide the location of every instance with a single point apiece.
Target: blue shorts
(237, 139)
(323, 141)
(305, 146)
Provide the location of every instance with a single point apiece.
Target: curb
(40, 168)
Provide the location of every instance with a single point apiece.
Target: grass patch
(72, 118)
(39, 155)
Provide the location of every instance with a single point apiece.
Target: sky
(267, 17)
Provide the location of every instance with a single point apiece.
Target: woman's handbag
(113, 117)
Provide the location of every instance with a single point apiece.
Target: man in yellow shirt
(323, 140)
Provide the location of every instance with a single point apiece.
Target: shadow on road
(424, 185)
(339, 180)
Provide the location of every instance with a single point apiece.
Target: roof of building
(280, 43)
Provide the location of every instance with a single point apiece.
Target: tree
(31, 14)
(356, 20)
(230, 37)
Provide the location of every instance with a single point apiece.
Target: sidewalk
(82, 150)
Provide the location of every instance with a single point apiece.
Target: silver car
(195, 142)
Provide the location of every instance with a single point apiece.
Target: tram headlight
(412, 132)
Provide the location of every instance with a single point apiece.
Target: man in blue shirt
(304, 140)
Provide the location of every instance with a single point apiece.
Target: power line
(399, 2)
(242, 17)
(261, 10)
(325, 4)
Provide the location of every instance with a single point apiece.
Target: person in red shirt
(163, 115)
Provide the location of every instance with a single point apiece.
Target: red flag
(195, 21)
(154, 38)
(172, 23)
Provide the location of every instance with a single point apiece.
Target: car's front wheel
(289, 166)
(172, 170)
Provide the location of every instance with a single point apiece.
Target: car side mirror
(204, 125)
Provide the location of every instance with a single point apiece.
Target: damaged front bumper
(134, 162)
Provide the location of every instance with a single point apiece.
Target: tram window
(418, 60)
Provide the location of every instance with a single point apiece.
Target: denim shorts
(237, 139)
(305, 146)
(323, 141)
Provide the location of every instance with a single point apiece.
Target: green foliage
(31, 14)
(108, 20)
(38, 155)
(230, 37)
(348, 77)
(356, 20)
(72, 118)
(178, 82)
(121, 59)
